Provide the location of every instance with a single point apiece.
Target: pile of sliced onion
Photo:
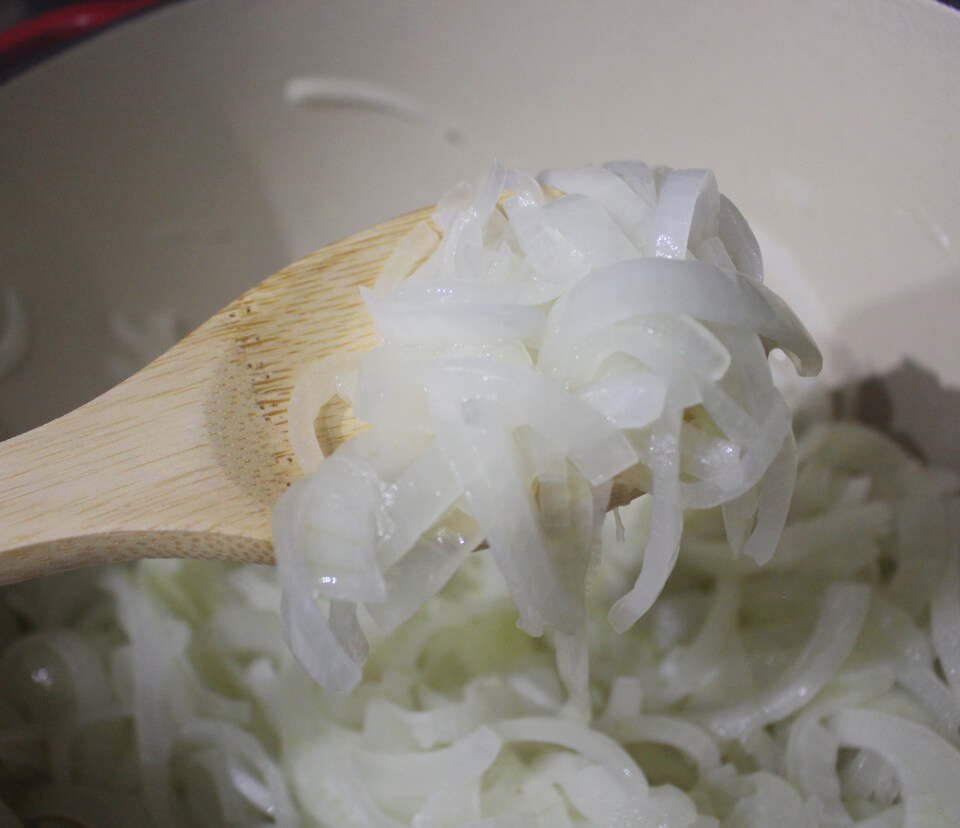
(819, 689)
(543, 346)
(806, 677)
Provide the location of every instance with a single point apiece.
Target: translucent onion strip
(838, 626)
(927, 766)
(333, 376)
(591, 744)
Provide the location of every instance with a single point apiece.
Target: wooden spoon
(186, 458)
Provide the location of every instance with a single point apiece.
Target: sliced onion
(557, 264)
(413, 324)
(333, 376)
(927, 767)
(592, 745)
(714, 666)
(738, 240)
(609, 188)
(687, 213)
(424, 569)
(687, 737)
(630, 401)
(533, 355)
(590, 229)
(488, 395)
(841, 617)
(613, 294)
(411, 251)
(773, 503)
(666, 525)
(638, 177)
(420, 774)
(333, 532)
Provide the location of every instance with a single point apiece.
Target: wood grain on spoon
(187, 457)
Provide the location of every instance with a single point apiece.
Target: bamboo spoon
(186, 458)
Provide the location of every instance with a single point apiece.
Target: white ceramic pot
(160, 167)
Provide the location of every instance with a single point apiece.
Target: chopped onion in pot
(458, 634)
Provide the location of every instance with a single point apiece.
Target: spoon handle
(188, 456)
(136, 472)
